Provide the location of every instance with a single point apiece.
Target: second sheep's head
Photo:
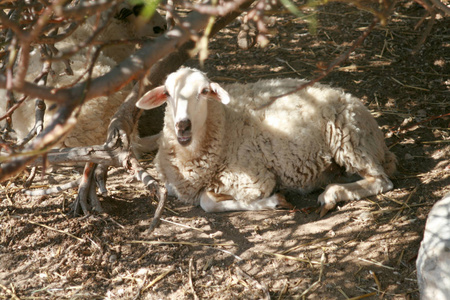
(187, 92)
(140, 26)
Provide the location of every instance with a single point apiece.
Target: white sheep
(237, 157)
(433, 259)
(96, 114)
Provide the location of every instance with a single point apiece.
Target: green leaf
(311, 19)
(149, 7)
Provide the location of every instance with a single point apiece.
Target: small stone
(118, 280)
(216, 234)
(366, 216)
(142, 272)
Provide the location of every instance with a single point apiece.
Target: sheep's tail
(389, 163)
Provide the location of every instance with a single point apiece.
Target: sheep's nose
(184, 126)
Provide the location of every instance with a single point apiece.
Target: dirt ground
(364, 248)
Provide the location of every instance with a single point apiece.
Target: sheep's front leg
(368, 186)
(212, 202)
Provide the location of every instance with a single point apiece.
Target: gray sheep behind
(95, 115)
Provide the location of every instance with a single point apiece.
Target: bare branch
(132, 68)
(441, 6)
(109, 154)
(10, 24)
(85, 8)
(216, 10)
(44, 39)
(104, 20)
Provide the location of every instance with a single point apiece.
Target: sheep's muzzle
(184, 133)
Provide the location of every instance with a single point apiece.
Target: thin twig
(410, 86)
(375, 278)
(182, 225)
(158, 278)
(57, 230)
(405, 204)
(363, 296)
(281, 256)
(376, 263)
(191, 283)
(226, 251)
(383, 211)
(342, 292)
(117, 223)
(322, 264)
(309, 289)
(181, 243)
(306, 244)
(426, 33)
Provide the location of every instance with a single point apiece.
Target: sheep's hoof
(325, 208)
(322, 211)
(326, 201)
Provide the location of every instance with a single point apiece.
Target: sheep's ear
(153, 98)
(219, 93)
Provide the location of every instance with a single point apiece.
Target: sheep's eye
(137, 9)
(205, 91)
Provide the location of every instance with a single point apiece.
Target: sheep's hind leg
(368, 186)
(212, 202)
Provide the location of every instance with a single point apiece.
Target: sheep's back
(295, 137)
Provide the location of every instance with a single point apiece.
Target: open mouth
(184, 140)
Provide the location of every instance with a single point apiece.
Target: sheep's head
(142, 27)
(187, 92)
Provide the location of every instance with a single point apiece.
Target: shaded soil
(367, 247)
